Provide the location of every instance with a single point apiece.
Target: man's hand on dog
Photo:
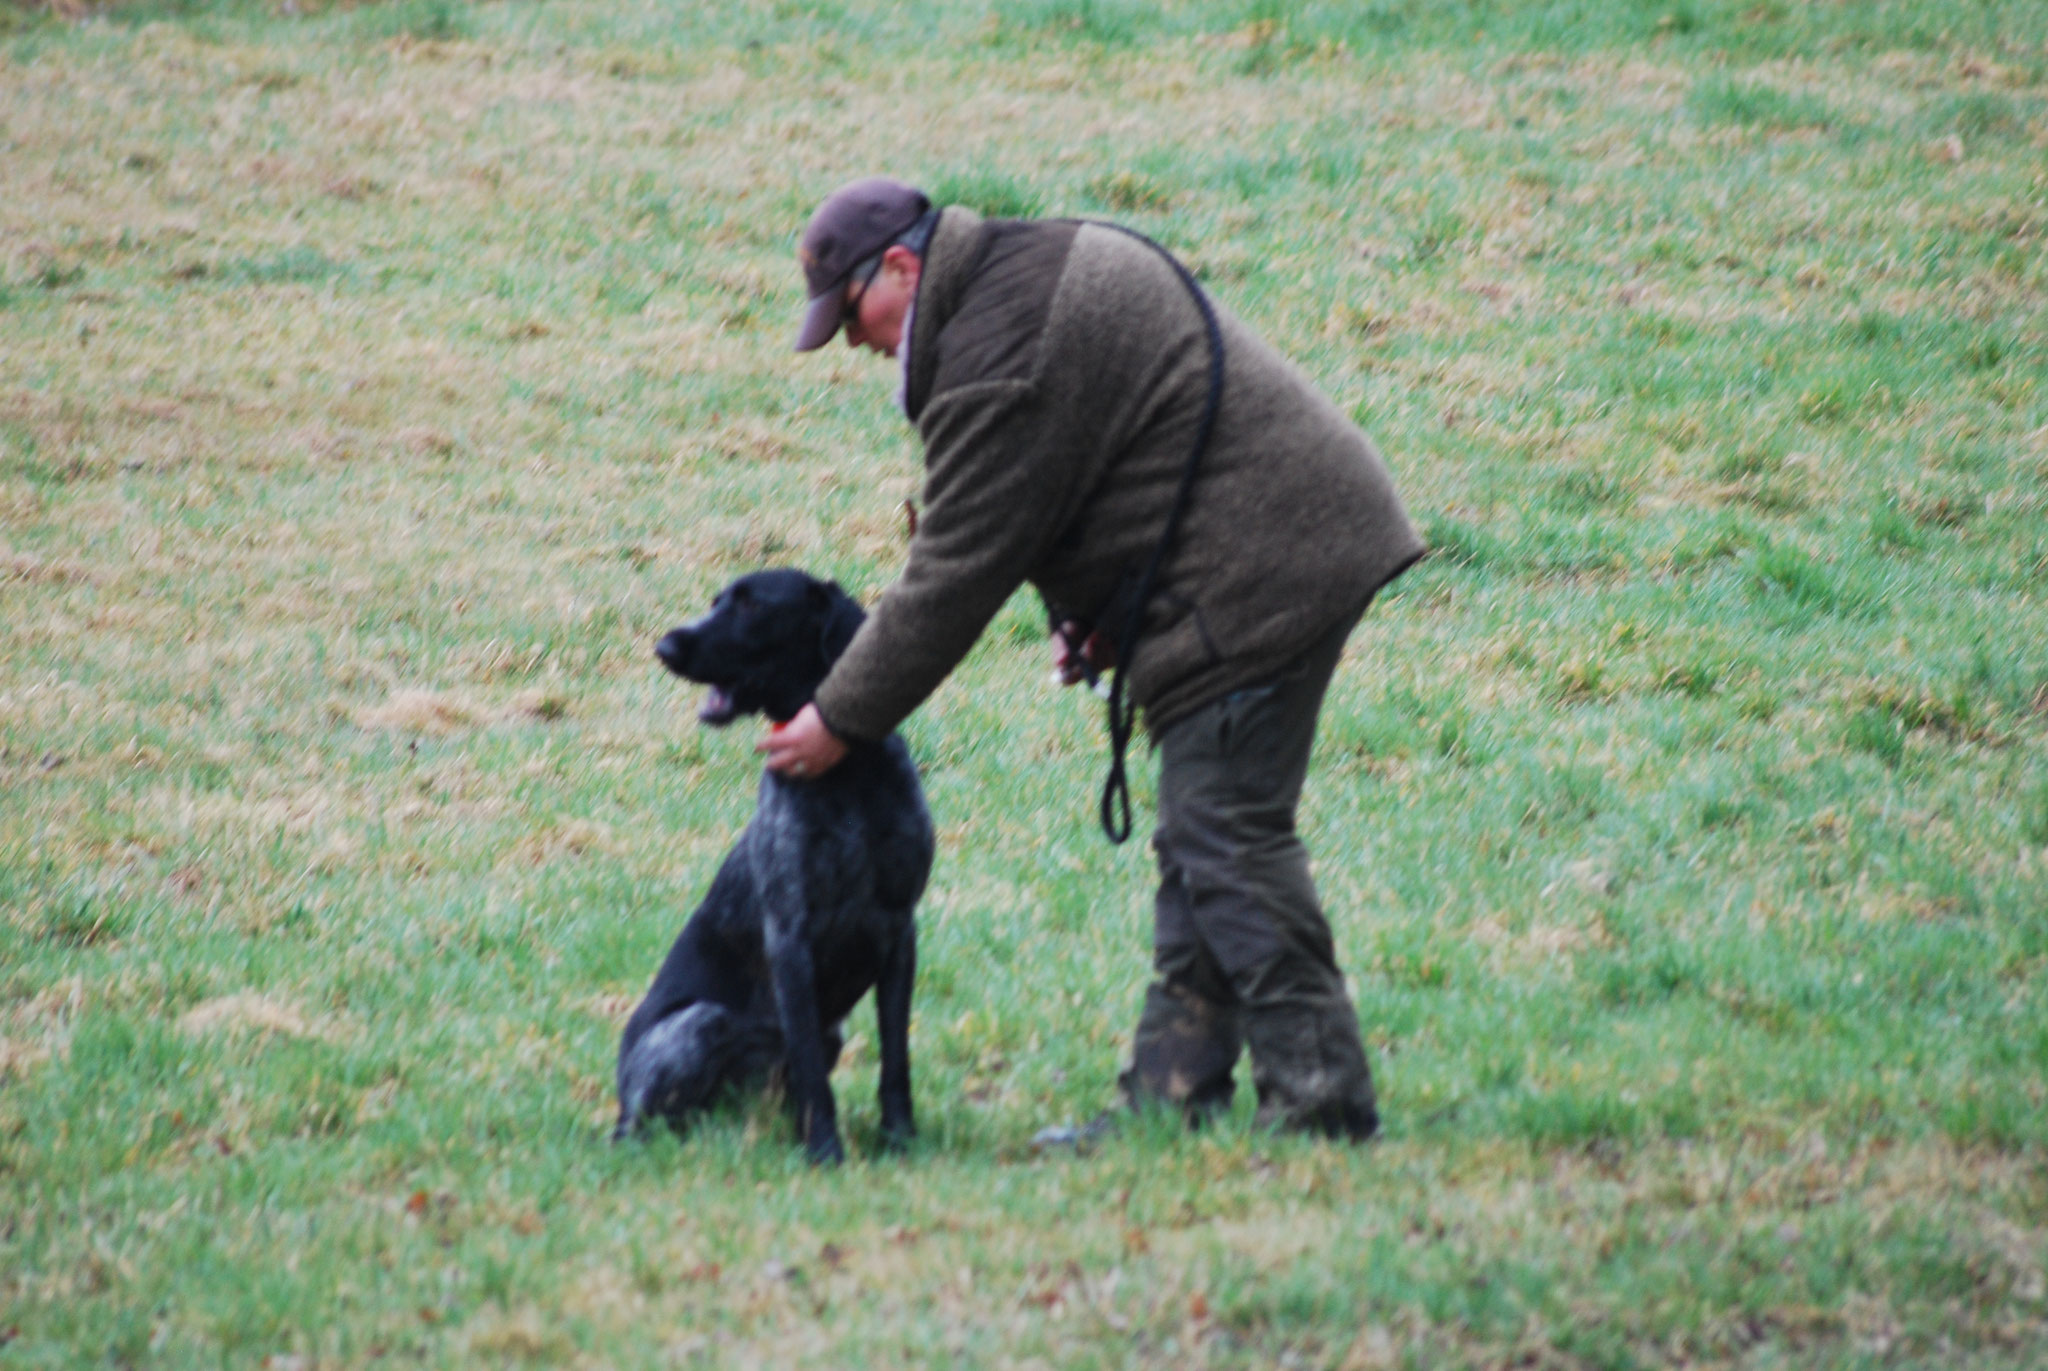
(803, 748)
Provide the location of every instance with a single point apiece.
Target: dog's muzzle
(718, 708)
(676, 650)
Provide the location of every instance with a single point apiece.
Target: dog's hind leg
(678, 1066)
(892, 1026)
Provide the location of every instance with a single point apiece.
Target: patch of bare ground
(38, 1027)
(441, 713)
(249, 1011)
(29, 569)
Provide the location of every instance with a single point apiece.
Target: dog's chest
(826, 857)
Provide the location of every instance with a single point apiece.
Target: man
(1057, 373)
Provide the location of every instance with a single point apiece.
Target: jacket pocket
(1233, 708)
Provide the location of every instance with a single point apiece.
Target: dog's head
(766, 643)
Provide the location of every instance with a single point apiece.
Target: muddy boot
(1309, 1068)
(1186, 1048)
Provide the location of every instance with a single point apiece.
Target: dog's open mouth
(718, 709)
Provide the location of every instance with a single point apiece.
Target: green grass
(376, 383)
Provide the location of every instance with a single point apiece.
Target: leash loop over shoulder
(1115, 807)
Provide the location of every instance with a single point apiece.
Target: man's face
(875, 320)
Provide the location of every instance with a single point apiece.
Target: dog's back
(811, 908)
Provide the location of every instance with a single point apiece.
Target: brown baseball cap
(855, 222)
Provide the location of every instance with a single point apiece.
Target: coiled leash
(1115, 809)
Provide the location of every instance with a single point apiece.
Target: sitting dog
(812, 906)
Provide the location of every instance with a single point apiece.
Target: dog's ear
(840, 618)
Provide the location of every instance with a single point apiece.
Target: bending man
(1057, 372)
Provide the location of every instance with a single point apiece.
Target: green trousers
(1242, 954)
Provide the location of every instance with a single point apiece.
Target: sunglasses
(850, 310)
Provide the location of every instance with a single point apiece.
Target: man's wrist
(839, 735)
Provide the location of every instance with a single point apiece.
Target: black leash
(1115, 809)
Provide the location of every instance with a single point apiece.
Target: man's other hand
(1071, 664)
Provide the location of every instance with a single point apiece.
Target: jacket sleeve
(995, 487)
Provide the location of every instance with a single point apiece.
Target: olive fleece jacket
(1057, 375)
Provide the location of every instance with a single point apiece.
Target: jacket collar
(949, 263)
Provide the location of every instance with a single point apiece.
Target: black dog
(812, 905)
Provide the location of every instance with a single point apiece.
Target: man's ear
(903, 262)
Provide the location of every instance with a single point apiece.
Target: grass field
(377, 381)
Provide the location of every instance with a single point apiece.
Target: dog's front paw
(825, 1151)
(898, 1134)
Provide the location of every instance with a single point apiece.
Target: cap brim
(821, 321)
